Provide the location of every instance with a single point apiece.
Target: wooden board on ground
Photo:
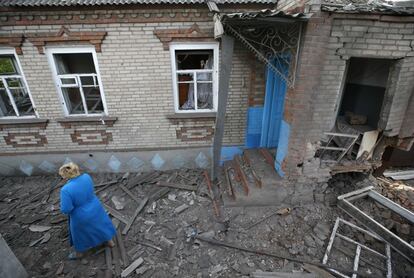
(369, 139)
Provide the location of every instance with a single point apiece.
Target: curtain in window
(204, 90)
(61, 65)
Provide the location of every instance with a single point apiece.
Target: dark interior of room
(365, 88)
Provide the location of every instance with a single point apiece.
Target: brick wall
(299, 103)
(136, 76)
(328, 44)
(407, 128)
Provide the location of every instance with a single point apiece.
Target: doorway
(364, 92)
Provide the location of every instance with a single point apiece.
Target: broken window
(364, 91)
(195, 77)
(79, 82)
(15, 100)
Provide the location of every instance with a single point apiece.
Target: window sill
(83, 120)
(205, 115)
(25, 122)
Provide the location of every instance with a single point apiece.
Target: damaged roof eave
(264, 21)
(266, 16)
(366, 9)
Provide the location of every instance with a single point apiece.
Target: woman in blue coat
(89, 224)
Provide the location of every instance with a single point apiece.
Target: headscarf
(69, 171)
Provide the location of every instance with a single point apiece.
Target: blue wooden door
(273, 105)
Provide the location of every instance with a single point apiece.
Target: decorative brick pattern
(200, 133)
(65, 36)
(194, 33)
(137, 87)
(105, 16)
(25, 139)
(15, 41)
(91, 137)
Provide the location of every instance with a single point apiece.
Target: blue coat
(89, 224)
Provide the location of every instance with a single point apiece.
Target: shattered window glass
(195, 79)
(79, 84)
(14, 96)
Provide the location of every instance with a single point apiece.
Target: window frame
(195, 46)
(58, 83)
(22, 76)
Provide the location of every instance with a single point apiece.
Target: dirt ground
(162, 233)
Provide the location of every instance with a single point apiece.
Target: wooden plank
(332, 148)
(108, 259)
(268, 157)
(130, 194)
(122, 250)
(317, 271)
(242, 175)
(158, 194)
(369, 139)
(229, 184)
(132, 267)
(261, 274)
(137, 211)
(227, 46)
(177, 186)
(141, 179)
(342, 134)
(210, 189)
(347, 149)
(117, 263)
(116, 214)
(257, 180)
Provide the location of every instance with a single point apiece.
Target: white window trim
(52, 64)
(23, 77)
(193, 46)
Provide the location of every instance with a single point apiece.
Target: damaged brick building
(137, 86)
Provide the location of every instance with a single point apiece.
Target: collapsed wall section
(330, 41)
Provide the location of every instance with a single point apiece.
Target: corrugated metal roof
(267, 13)
(35, 3)
(403, 7)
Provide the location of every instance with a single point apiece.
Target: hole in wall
(364, 92)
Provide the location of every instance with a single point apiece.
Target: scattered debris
(132, 267)
(39, 228)
(274, 255)
(137, 211)
(181, 208)
(401, 246)
(212, 196)
(118, 202)
(282, 211)
(163, 235)
(359, 247)
(262, 274)
(400, 175)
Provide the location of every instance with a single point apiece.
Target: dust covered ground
(162, 234)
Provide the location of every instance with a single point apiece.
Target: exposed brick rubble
(161, 235)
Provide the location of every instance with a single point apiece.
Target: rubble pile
(161, 217)
(398, 191)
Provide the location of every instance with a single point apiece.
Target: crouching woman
(89, 225)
